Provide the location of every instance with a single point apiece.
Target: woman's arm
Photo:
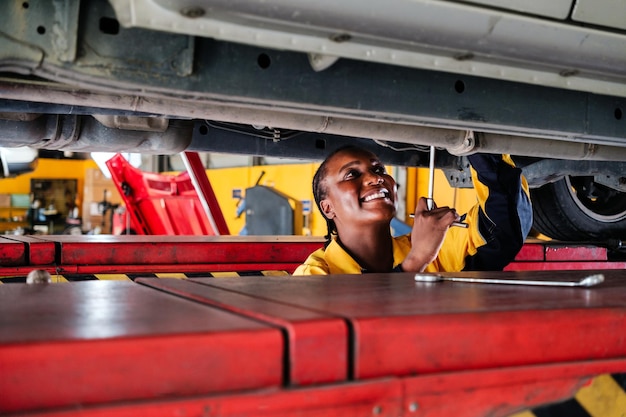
(499, 222)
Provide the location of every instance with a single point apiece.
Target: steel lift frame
(381, 344)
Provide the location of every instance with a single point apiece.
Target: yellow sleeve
(498, 223)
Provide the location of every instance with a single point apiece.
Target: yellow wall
(292, 180)
(49, 169)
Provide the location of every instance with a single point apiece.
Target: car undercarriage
(544, 83)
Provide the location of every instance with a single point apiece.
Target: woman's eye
(380, 169)
(353, 173)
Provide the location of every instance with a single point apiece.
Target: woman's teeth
(375, 196)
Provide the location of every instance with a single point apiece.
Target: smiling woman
(358, 198)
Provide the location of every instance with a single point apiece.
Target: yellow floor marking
(603, 398)
(171, 275)
(274, 273)
(58, 278)
(112, 277)
(524, 414)
(224, 274)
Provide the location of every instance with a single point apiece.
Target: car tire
(579, 209)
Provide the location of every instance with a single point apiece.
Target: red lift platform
(378, 344)
(102, 254)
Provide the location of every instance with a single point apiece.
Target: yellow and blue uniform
(497, 227)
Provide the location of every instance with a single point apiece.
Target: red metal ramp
(101, 342)
(261, 346)
(159, 204)
(317, 343)
(523, 345)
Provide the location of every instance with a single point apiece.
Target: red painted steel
(19, 271)
(176, 268)
(148, 250)
(161, 204)
(497, 392)
(494, 393)
(531, 252)
(483, 340)
(553, 256)
(377, 398)
(205, 192)
(318, 344)
(566, 253)
(38, 252)
(101, 341)
(565, 266)
(116, 348)
(12, 252)
(135, 254)
(401, 327)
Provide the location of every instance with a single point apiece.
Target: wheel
(577, 208)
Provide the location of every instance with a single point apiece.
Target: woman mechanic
(358, 199)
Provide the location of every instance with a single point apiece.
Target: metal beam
(204, 72)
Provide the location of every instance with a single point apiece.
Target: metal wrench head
(591, 280)
(428, 277)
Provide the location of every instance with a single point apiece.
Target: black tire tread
(556, 215)
(549, 218)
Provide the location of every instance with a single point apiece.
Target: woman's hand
(429, 230)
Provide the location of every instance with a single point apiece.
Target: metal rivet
(464, 56)
(192, 12)
(377, 410)
(340, 37)
(413, 407)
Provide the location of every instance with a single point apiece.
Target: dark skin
(361, 198)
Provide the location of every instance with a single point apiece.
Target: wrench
(431, 186)
(588, 281)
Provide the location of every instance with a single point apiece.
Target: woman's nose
(375, 179)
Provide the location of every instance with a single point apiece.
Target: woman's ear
(327, 209)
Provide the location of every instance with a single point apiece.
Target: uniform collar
(340, 262)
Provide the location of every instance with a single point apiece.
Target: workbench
(377, 344)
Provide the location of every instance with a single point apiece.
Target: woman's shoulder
(315, 264)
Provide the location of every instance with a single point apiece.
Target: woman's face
(358, 189)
